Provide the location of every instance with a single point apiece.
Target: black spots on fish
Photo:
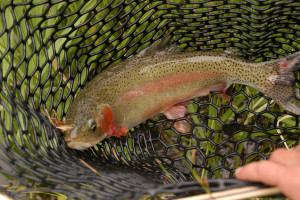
(93, 108)
(179, 69)
(186, 55)
(193, 67)
(261, 76)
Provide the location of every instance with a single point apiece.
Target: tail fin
(292, 105)
(285, 92)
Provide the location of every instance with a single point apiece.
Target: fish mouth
(83, 143)
(78, 145)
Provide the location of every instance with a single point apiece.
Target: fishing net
(49, 50)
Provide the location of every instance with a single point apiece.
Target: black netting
(49, 50)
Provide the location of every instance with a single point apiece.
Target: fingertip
(238, 171)
(263, 171)
(250, 172)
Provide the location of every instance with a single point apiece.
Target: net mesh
(49, 50)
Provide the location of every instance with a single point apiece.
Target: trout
(159, 79)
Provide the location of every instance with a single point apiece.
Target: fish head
(89, 130)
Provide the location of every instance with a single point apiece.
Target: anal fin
(227, 98)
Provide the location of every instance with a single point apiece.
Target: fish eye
(92, 125)
(93, 128)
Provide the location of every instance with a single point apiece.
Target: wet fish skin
(157, 79)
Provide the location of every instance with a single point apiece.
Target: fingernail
(238, 170)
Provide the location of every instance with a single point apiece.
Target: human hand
(281, 170)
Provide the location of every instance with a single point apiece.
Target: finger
(285, 157)
(297, 149)
(264, 171)
(290, 184)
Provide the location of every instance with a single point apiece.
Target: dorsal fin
(162, 46)
(234, 52)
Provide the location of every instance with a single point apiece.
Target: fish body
(158, 80)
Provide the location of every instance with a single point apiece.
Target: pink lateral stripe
(166, 83)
